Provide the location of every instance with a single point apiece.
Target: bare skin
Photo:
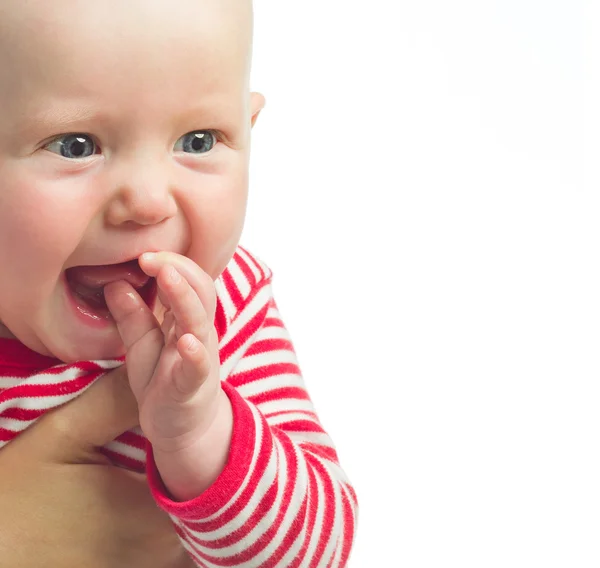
(141, 87)
(68, 507)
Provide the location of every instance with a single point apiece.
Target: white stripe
(273, 332)
(39, 402)
(292, 552)
(278, 464)
(45, 378)
(126, 450)
(260, 386)
(337, 528)
(226, 301)
(296, 498)
(281, 404)
(276, 469)
(236, 326)
(259, 263)
(250, 310)
(319, 438)
(240, 279)
(251, 263)
(106, 364)
(338, 550)
(336, 472)
(8, 382)
(258, 440)
(279, 419)
(267, 358)
(15, 426)
(315, 537)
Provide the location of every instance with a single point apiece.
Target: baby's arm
(174, 372)
(282, 498)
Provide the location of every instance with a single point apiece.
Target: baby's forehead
(116, 40)
(185, 28)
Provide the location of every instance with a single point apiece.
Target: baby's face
(124, 128)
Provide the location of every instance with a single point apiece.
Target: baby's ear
(257, 103)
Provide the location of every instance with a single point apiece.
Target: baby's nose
(143, 198)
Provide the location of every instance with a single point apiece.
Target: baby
(124, 148)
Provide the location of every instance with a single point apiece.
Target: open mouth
(85, 285)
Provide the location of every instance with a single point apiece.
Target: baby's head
(124, 128)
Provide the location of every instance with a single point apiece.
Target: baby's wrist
(188, 472)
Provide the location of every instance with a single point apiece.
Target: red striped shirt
(282, 499)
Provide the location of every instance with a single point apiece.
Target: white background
(418, 189)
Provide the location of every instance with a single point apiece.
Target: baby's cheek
(38, 221)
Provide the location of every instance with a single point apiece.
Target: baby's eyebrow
(52, 118)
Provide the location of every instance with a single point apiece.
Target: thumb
(73, 432)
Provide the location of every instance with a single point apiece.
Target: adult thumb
(74, 432)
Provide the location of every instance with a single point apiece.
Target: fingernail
(148, 256)
(192, 344)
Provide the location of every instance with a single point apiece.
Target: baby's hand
(174, 368)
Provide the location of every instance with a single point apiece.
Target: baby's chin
(78, 349)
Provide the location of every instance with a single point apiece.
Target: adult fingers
(73, 432)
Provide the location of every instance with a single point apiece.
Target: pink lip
(82, 312)
(148, 293)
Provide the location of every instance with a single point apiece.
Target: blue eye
(73, 146)
(197, 142)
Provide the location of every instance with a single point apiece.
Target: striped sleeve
(282, 500)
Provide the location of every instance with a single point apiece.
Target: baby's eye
(72, 146)
(197, 142)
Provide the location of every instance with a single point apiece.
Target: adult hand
(63, 504)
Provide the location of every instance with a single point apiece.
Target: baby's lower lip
(98, 316)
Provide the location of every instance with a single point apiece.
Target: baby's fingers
(185, 305)
(200, 281)
(194, 369)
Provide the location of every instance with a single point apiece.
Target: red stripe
(263, 508)
(313, 505)
(291, 411)
(352, 494)
(220, 320)
(126, 461)
(325, 452)
(24, 414)
(266, 345)
(6, 435)
(328, 506)
(301, 426)
(242, 336)
(278, 394)
(291, 535)
(260, 467)
(232, 290)
(348, 528)
(245, 269)
(63, 388)
(255, 262)
(273, 322)
(330, 563)
(132, 439)
(262, 372)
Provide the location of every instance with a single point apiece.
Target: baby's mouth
(87, 285)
